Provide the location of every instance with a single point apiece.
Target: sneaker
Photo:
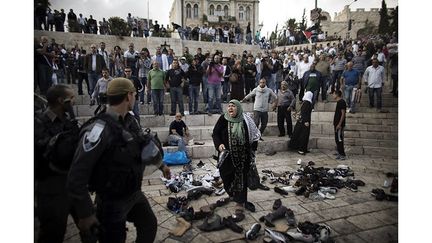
(280, 191)
(326, 195)
(276, 236)
(252, 233)
(277, 203)
(301, 152)
(331, 190)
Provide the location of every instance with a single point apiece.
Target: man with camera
(215, 73)
(110, 161)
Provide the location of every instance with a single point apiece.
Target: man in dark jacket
(94, 63)
(195, 75)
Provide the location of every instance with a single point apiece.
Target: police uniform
(108, 162)
(52, 203)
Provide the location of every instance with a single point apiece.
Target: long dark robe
(300, 137)
(237, 88)
(234, 188)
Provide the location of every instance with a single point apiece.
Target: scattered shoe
(277, 203)
(231, 224)
(212, 223)
(252, 233)
(290, 217)
(276, 236)
(308, 238)
(223, 201)
(220, 192)
(280, 191)
(200, 164)
(263, 187)
(277, 214)
(250, 206)
(289, 188)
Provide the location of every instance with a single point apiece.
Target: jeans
(205, 89)
(93, 77)
(237, 37)
(378, 92)
(215, 92)
(284, 115)
(158, 101)
(176, 94)
(261, 117)
(336, 80)
(193, 98)
(176, 140)
(271, 83)
(141, 94)
(348, 95)
(339, 138)
(323, 86)
(135, 110)
(113, 215)
(257, 79)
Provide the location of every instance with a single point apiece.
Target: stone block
(351, 238)
(194, 120)
(382, 234)
(342, 226)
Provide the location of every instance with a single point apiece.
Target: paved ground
(352, 216)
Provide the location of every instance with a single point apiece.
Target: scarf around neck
(238, 128)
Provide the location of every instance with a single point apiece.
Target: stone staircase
(367, 132)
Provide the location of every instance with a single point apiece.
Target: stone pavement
(352, 216)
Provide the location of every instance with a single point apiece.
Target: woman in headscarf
(300, 137)
(239, 135)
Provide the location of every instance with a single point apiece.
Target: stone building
(215, 12)
(339, 25)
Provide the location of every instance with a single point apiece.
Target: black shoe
(249, 206)
(229, 223)
(263, 187)
(172, 114)
(261, 139)
(200, 164)
(281, 135)
(280, 191)
(252, 234)
(277, 203)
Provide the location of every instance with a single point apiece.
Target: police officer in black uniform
(108, 162)
(55, 133)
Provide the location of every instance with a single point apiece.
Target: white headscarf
(308, 96)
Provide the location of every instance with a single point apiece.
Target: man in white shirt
(302, 67)
(374, 77)
(258, 68)
(162, 59)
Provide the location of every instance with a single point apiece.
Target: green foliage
(384, 24)
(205, 19)
(291, 25)
(369, 29)
(119, 26)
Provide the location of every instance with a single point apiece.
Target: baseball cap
(119, 86)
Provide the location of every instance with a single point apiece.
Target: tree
(303, 24)
(291, 25)
(384, 24)
(394, 25)
(119, 26)
(369, 29)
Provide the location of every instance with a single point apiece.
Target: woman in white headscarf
(300, 137)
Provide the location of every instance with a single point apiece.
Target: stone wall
(85, 40)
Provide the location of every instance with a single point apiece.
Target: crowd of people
(126, 78)
(45, 19)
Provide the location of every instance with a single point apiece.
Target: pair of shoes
(341, 157)
(301, 152)
(250, 206)
(281, 135)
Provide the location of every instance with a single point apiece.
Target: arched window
(241, 13)
(188, 11)
(248, 13)
(226, 11)
(211, 10)
(195, 11)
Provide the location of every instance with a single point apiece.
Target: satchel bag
(233, 78)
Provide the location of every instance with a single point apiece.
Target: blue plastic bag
(175, 158)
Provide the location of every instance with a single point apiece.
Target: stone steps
(352, 147)
(383, 119)
(86, 110)
(320, 129)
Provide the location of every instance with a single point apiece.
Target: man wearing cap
(108, 162)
